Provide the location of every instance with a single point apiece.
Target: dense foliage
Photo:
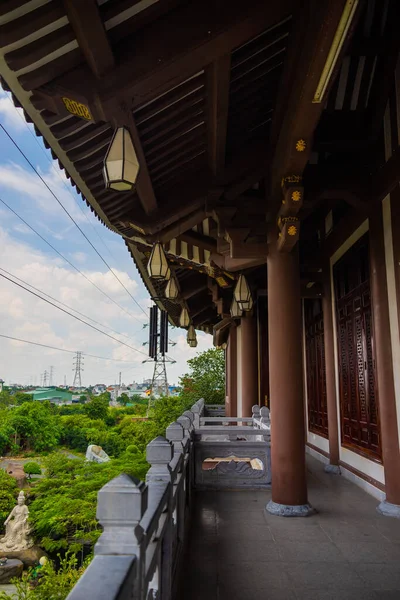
(53, 583)
(8, 494)
(206, 378)
(31, 426)
(32, 468)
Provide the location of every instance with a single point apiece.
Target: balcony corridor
(346, 551)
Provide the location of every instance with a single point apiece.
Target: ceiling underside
(209, 89)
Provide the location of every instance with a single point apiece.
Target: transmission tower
(45, 379)
(65, 381)
(158, 348)
(51, 380)
(78, 367)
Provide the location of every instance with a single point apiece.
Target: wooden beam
(201, 32)
(218, 80)
(88, 27)
(201, 241)
(192, 288)
(297, 115)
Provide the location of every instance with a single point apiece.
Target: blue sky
(26, 256)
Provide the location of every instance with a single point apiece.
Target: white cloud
(13, 117)
(25, 182)
(24, 316)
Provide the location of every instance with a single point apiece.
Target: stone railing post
(255, 410)
(159, 453)
(175, 434)
(121, 505)
(265, 415)
(187, 420)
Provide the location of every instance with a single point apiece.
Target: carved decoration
(289, 234)
(301, 145)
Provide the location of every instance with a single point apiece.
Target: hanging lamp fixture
(191, 335)
(242, 294)
(193, 343)
(235, 310)
(184, 319)
(121, 165)
(157, 267)
(171, 290)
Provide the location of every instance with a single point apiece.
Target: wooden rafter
(297, 115)
(197, 42)
(86, 22)
(218, 80)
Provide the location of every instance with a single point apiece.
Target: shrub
(8, 495)
(32, 468)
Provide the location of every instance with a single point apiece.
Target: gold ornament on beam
(301, 145)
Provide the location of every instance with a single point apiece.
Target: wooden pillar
(333, 430)
(249, 359)
(384, 367)
(231, 374)
(289, 487)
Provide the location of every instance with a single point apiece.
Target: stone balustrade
(139, 553)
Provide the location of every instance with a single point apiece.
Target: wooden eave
(214, 109)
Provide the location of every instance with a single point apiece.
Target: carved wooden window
(315, 367)
(357, 377)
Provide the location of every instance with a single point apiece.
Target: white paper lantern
(242, 294)
(121, 166)
(184, 318)
(191, 335)
(236, 311)
(171, 291)
(157, 267)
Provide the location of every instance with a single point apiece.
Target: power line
(9, 337)
(68, 261)
(74, 316)
(70, 216)
(63, 303)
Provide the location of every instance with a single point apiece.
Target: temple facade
(248, 153)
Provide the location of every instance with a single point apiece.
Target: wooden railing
(145, 525)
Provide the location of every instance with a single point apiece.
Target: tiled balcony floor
(239, 552)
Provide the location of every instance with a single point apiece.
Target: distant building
(54, 395)
(98, 389)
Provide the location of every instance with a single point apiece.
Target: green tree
(21, 398)
(5, 399)
(32, 468)
(8, 495)
(206, 378)
(124, 399)
(97, 408)
(31, 426)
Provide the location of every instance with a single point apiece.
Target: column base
(387, 509)
(333, 469)
(287, 510)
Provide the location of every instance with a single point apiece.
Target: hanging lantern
(157, 267)
(191, 334)
(193, 343)
(171, 291)
(236, 311)
(242, 294)
(121, 166)
(184, 318)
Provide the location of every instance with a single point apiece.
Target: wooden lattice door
(315, 367)
(357, 378)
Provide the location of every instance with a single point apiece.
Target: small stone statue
(17, 528)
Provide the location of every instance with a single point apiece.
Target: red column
(384, 367)
(231, 374)
(289, 488)
(333, 430)
(249, 360)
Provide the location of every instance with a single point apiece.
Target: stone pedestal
(13, 568)
(29, 557)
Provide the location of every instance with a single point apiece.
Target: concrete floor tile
(234, 593)
(379, 576)
(321, 576)
(309, 552)
(370, 552)
(353, 594)
(347, 532)
(230, 553)
(255, 575)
